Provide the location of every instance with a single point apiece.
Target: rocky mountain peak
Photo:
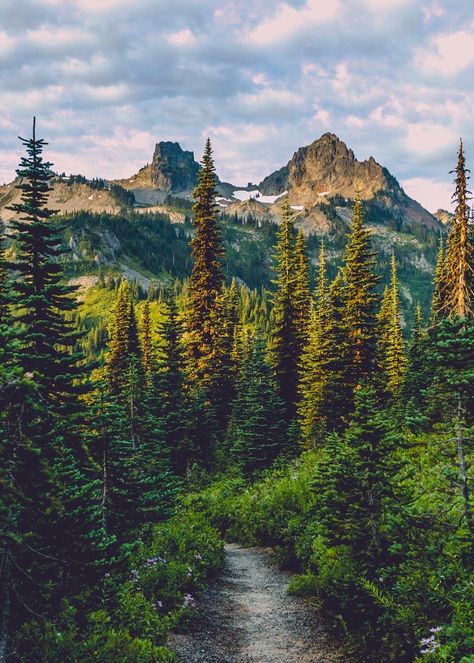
(325, 168)
(172, 168)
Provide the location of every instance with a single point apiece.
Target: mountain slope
(119, 226)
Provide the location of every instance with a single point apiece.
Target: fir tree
(172, 400)
(285, 342)
(437, 299)
(457, 285)
(361, 298)
(205, 307)
(41, 300)
(338, 395)
(391, 345)
(124, 343)
(313, 369)
(257, 433)
(146, 344)
(302, 294)
(354, 483)
(51, 533)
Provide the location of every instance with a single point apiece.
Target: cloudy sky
(107, 79)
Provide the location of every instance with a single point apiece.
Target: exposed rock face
(325, 168)
(444, 216)
(328, 168)
(173, 169)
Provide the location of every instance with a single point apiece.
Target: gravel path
(248, 617)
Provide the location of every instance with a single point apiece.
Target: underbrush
(416, 603)
(127, 618)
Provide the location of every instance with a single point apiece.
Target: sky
(107, 79)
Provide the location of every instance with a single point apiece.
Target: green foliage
(134, 609)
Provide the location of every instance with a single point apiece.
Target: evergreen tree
(285, 342)
(418, 371)
(119, 339)
(205, 307)
(457, 285)
(52, 539)
(437, 299)
(172, 399)
(354, 482)
(361, 298)
(302, 294)
(313, 364)
(257, 433)
(41, 300)
(146, 344)
(451, 338)
(338, 393)
(450, 354)
(391, 345)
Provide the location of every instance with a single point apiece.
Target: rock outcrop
(173, 169)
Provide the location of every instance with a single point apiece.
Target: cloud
(432, 194)
(447, 54)
(288, 21)
(181, 38)
(109, 78)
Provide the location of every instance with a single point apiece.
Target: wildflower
(188, 601)
(429, 645)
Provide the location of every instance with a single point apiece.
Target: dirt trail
(248, 617)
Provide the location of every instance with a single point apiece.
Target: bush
(131, 613)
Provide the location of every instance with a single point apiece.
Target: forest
(306, 419)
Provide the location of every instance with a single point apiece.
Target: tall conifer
(361, 298)
(391, 345)
(205, 309)
(302, 295)
(457, 289)
(313, 364)
(438, 287)
(285, 340)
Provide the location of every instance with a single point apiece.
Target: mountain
(328, 169)
(172, 170)
(118, 226)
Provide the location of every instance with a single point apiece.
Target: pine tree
(124, 342)
(391, 345)
(361, 298)
(451, 337)
(437, 299)
(40, 298)
(418, 371)
(51, 533)
(172, 399)
(313, 369)
(457, 284)
(257, 434)
(285, 342)
(302, 294)
(205, 308)
(338, 395)
(146, 344)
(354, 482)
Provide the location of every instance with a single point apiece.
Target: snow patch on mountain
(255, 194)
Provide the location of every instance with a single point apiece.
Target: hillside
(139, 226)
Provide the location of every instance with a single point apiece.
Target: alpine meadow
(236, 419)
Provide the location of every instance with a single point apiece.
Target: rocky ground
(248, 617)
